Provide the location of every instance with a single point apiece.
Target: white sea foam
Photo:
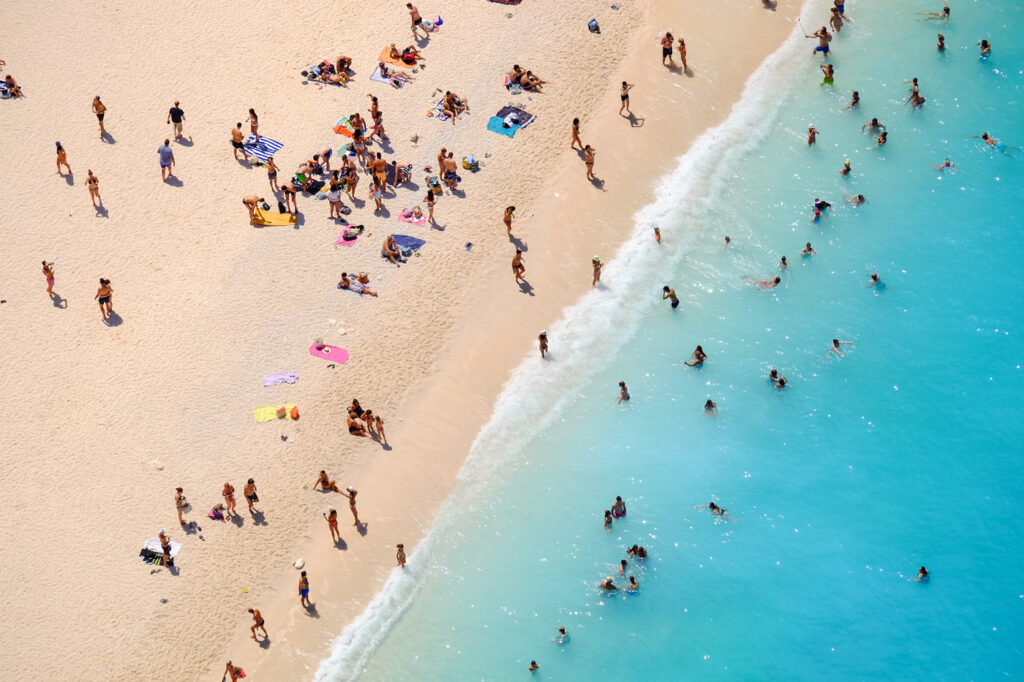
(587, 336)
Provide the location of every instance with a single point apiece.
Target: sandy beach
(111, 417)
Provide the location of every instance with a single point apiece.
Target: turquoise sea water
(905, 452)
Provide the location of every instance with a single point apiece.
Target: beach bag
(281, 208)
(295, 412)
(467, 162)
(516, 89)
(281, 412)
(593, 27)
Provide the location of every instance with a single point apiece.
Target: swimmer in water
(618, 507)
(808, 250)
(623, 392)
(947, 164)
(623, 565)
(633, 585)
(874, 125)
(608, 520)
(845, 170)
(607, 584)
(657, 234)
(697, 358)
(715, 509)
(637, 552)
(533, 666)
(830, 74)
(856, 200)
(670, 293)
(986, 49)
(563, 636)
(783, 264)
(812, 134)
(768, 283)
(854, 101)
(942, 16)
(875, 281)
(710, 408)
(835, 346)
(991, 141)
(778, 379)
(922, 575)
(728, 241)
(883, 138)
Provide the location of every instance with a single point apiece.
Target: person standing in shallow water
(623, 393)
(542, 340)
(400, 555)
(922, 575)
(670, 293)
(597, 270)
(666, 49)
(624, 96)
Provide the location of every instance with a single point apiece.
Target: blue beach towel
(264, 150)
(494, 124)
(406, 242)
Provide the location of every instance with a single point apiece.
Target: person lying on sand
(410, 55)
(339, 77)
(393, 75)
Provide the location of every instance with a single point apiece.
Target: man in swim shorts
(670, 293)
(236, 141)
(417, 22)
(100, 109)
(304, 590)
(824, 38)
(666, 48)
(166, 159)
(517, 265)
(176, 116)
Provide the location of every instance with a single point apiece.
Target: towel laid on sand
(494, 124)
(407, 242)
(280, 378)
(344, 127)
(393, 82)
(524, 117)
(387, 59)
(269, 413)
(341, 241)
(412, 219)
(263, 149)
(153, 545)
(332, 353)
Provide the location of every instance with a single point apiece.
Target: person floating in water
(670, 293)
(835, 346)
(697, 358)
(992, 142)
(765, 283)
(607, 584)
(947, 164)
(875, 281)
(710, 408)
(715, 509)
(857, 200)
(778, 379)
(846, 169)
(618, 507)
(808, 250)
(942, 16)
(922, 575)
(623, 392)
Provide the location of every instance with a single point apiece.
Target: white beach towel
(153, 545)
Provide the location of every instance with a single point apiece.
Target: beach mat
(344, 127)
(407, 242)
(280, 378)
(264, 150)
(266, 218)
(507, 2)
(269, 413)
(156, 558)
(495, 125)
(384, 57)
(341, 241)
(412, 219)
(332, 353)
(376, 76)
(525, 117)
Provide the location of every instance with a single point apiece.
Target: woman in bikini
(93, 183)
(588, 157)
(48, 272)
(254, 125)
(508, 219)
(359, 145)
(229, 499)
(353, 181)
(332, 523)
(272, 173)
(325, 483)
(698, 358)
(104, 295)
(429, 200)
(352, 492)
(62, 159)
(576, 135)
(354, 427)
(179, 503)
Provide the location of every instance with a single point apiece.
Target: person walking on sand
(508, 219)
(542, 341)
(62, 159)
(383, 439)
(666, 49)
(104, 295)
(430, 199)
(48, 273)
(400, 555)
(272, 173)
(623, 392)
(682, 55)
(332, 523)
(417, 22)
(596, 262)
(588, 158)
(670, 293)
(229, 499)
(176, 116)
(99, 108)
(575, 133)
(304, 590)
(233, 671)
(517, 265)
(624, 96)
(93, 183)
(250, 494)
(351, 495)
(254, 125)
(166, 160)
(258, 623)
(236, 141)
(179, 503)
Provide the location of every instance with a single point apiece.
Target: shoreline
(208, 303)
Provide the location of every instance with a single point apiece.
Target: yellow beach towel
(269, 413)
(385, 56)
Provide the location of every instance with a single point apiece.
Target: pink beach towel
(332, 353)
(341, 241)
(410, 219)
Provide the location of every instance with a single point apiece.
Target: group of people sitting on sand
(364, 423)
(409, 56)
(326, 72)
(10, 88)
(357, 283)
(524, 79)
(453, 105)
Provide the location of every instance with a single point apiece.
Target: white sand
(107, 420)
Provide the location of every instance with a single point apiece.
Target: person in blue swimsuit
(670, 293)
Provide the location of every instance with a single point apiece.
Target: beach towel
(507, 2)
(152, 552)
(525, 118)
(411, 219)
(494, 124)
(393, 82)
(387, 59)
(265, 149)
(344, 127)
(281, 378)
(312, 187)
(332, 353)
(341, 241)
(392, 177)
(406, 242)
(265, 218)
(269, 413)
(5, 90)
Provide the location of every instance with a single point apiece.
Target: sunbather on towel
(532, 82)
(402, 172)
(453, 105)
(340, 78)
(343, 63)
(12, 85)
(390, 251)
(356, 285)
(394, 76)
(409, 55)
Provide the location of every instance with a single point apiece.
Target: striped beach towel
(264, 150)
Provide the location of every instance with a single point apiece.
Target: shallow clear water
(905, 452)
